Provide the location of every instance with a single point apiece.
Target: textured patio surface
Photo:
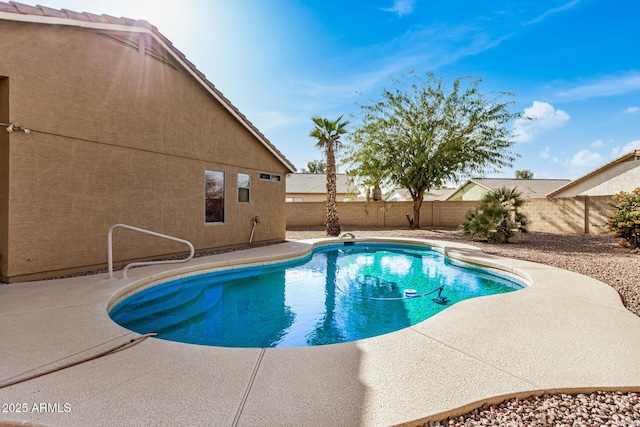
(565, 332)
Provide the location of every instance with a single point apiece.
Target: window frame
(248, 187)
(210, 204)
(272, 177)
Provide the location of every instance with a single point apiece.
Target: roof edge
(622, 158)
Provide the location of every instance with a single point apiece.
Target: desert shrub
(496, 217)
(624, 221)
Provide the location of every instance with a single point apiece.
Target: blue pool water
(339, 293)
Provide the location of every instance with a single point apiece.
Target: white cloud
(585, 158)
(401, 7)
(545, 153)
(543, 118)
(633, 145)
(606, 86)
(597, 144)
(632, 110)
(542, 17)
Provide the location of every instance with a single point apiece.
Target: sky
(572, 65)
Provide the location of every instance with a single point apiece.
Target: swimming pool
(339, 293)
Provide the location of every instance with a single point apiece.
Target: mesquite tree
(315, 166)
(524, 174)
(423, 134)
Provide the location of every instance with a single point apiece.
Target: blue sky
(573, 65)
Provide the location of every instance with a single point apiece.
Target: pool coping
(565, 332)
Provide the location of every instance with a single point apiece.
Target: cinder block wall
(379, 214)
(597, 212)
(563, 215)
(568, 215)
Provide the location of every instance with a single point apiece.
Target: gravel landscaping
(600, 257)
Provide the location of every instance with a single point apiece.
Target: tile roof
(439, 194)
(38, 10)
(47, 15)
(530, 188)
(317, 183)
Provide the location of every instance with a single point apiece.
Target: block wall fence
(563, 215)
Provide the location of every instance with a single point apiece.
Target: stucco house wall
(121, 132)
(622, 175)
(469, 191)
(4, 174)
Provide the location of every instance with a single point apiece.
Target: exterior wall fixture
(12, 126)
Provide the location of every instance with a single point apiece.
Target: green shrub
(496, 217)
(624, 221)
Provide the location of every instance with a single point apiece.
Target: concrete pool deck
(564, 333)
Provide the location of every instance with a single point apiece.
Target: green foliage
(423, 134)
(328, 133)
(496, 217)
(368, 174)
(624, 221)
(315, 166)
(524, 174)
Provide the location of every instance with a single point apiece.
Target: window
(214, 196)
(244, 183)
(269, 176)
(294, 199)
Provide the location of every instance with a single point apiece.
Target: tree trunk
(377, 193)
(417, 204)
(331, 223)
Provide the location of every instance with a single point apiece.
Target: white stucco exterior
(622, 174)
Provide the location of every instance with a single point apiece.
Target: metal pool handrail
(138, 264)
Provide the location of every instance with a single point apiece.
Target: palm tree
(328, 134)
(496, 216)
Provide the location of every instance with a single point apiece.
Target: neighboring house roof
(317, 183)
(530, 188)
(14, 11)
(581, 185)
(403, 195)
